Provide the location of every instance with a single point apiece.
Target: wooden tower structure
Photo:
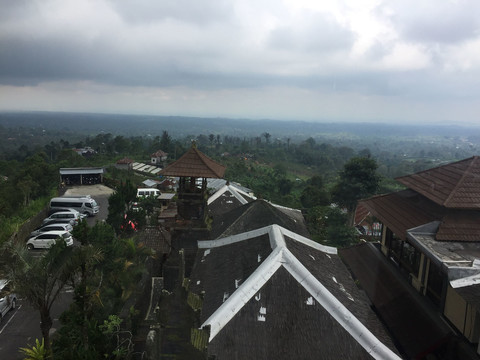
(192, 192)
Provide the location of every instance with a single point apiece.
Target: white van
(145, 192)
(84, 204)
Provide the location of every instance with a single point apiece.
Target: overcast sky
(384, 61)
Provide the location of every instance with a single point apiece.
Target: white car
(52, 227)
(47, 239)
(8, 300)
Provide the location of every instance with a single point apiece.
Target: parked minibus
(84, 205)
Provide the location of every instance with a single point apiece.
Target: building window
(403, 254)
(410, 258)
(434, 284)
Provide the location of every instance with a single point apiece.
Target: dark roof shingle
(455, 185)
(272, 294)
(403, 210)
(257, 214)
(194, 163)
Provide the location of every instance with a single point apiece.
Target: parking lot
(21, 326)
(99, 192)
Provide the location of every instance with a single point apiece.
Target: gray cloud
(197, 12)
(438, 22)
(318, 33)
(403, 52)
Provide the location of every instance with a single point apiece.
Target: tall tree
(314, 194)
(357, 180)
(267, 137)
(39, 280)
(166, 142)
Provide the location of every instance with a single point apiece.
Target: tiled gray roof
(271, 293)
(227, 198)
(257, 214)
(156, 238)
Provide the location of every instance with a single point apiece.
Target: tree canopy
(357, 180)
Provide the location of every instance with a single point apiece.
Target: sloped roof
(156, 238)
(150, 183)
(403, 210)
(361, 212)
(254, 215)
(271, 293)
(125, 160)
(216, 184)
(159, 154)
(227, 198)
(196, 164)
(460, 227)
(455, 185)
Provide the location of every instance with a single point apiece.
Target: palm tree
(267, 137)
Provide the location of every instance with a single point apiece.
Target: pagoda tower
(193, 169)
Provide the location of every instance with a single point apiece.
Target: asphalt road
(20, 327)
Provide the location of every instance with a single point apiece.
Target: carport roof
(81, 171)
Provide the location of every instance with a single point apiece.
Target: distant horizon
(317, 121)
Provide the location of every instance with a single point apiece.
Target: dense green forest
(288, 170)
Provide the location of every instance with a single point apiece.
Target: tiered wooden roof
(196, 164)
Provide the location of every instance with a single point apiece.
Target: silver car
(8, 300)
(52, 227)
(73, 217)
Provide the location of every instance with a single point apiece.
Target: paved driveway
(99, 192)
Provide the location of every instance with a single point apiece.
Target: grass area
(10, 225)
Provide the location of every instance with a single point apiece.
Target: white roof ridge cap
(297, 237)
(283, 207)
(205, 244)
(242, 192)
(244, 293)
(235, 193)
(276, 236)
(336, 309)
(217, 194)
